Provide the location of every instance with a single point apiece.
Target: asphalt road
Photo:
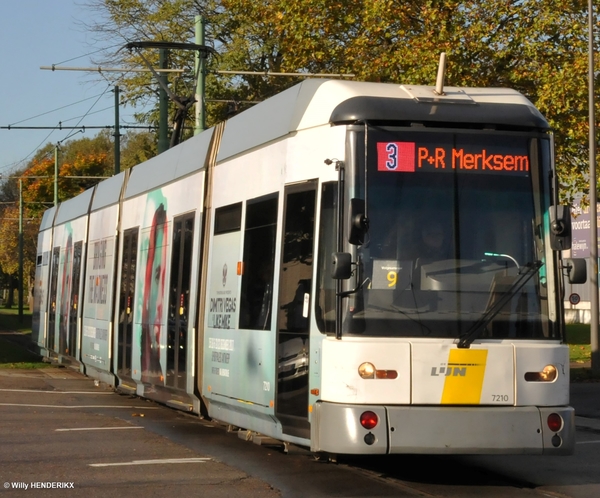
(58, 428)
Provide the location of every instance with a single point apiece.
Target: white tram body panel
(443, 400)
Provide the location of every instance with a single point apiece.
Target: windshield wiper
(479, 326)
(355, 290)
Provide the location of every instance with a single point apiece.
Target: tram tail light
(368, 371)
(548, 374)
(555, 422)
(369, 420)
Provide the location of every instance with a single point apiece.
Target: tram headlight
(367, 370)
(548, 374)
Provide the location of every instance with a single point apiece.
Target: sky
(37, 33)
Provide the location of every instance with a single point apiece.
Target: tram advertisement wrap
(222, 301)
(149, 324)
(98, 297)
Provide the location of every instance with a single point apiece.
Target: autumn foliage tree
(81, 164)
(37, 188)
(537, 47)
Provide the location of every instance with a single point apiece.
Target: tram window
(325, 299)
(228, 218)
(259, 262)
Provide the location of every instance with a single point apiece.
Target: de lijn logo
(224, 274)
(452, 369)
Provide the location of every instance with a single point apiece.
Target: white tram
(358, 268)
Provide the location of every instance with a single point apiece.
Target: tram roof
(48, 218)
(177, 162)
(75, 207)
(108, 192)
(318, 102)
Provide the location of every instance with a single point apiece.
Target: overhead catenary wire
(18, 163)
(59, 126)
(79, 127)
(295, 75)
(101, 69)
(57, 109)
(85, 55)
(89, 110)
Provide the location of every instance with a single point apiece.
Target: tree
(240, 44)
(84, 160)
(537, 47)
(9, 234)
(137, 147)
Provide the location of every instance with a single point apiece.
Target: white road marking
(81, 406)
(151, 462)
(99, 428)
(52, 392)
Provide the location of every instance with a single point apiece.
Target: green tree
(240, 44)
(79, 159)
(137, 147)
(537, 47)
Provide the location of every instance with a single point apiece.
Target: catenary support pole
(201, 72)
(117, 133)
(56, 175)
(593, 195)
(21, 251)
(163, 107)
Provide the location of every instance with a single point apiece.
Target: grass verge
(578, 338)
(580, 353)
(10, 320)
(14, 354)
(17, 356)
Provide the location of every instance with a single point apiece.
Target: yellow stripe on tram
(464, 377)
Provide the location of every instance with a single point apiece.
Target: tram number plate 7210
(497, 398)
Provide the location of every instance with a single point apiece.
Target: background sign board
(580, 219)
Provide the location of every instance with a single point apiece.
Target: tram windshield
(455, 245)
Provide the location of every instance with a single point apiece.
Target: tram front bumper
(336, 428)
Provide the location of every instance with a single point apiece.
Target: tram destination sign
(410, 157)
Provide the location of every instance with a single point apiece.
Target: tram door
(126, 301)
(293, 311)
(179, 300)
(74, 300)
(65, 297)
(52, 301)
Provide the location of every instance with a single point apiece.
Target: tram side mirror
(576, 270)
(560, 228)
(359, 224)
(341, 265)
